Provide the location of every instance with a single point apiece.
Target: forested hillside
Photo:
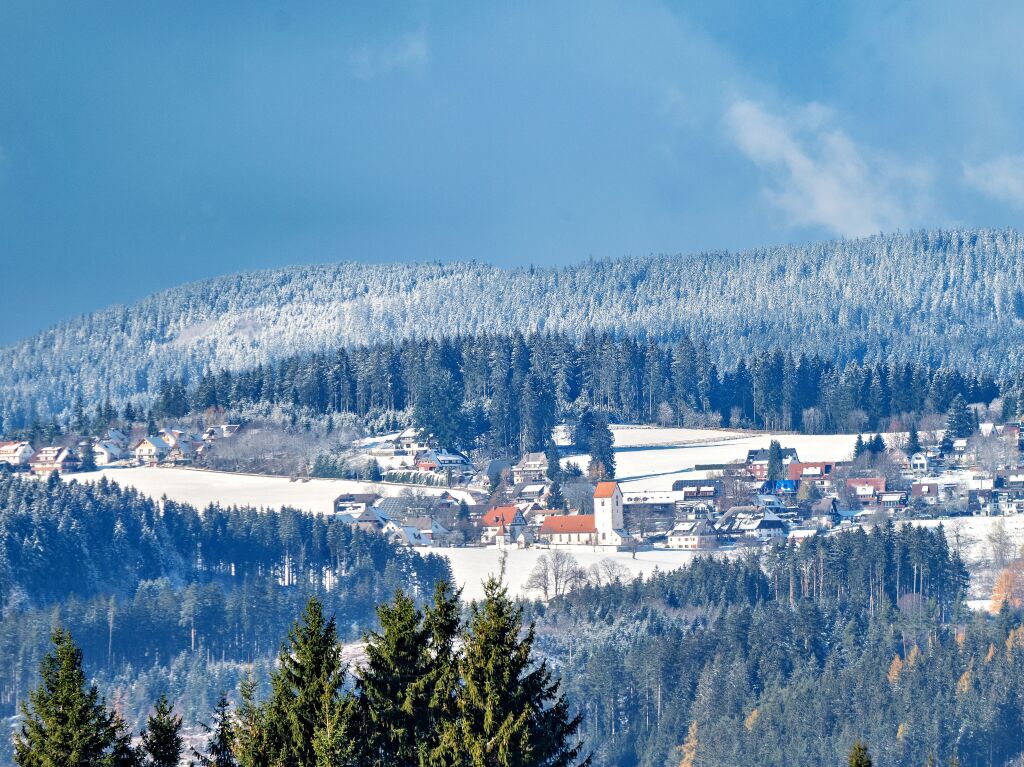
(790, 658)
(931, 298)
(163, 599)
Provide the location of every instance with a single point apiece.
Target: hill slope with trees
(941, 297)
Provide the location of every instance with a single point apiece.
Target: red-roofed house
(866, 490)
(502, 524)
(818, 473)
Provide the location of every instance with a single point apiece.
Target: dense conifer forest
(789, 658)
(509, 391)
(938, 298)
(163, 599)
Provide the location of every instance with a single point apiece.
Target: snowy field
(972, 536)
(653, 458)
(201, 488)
(470, 567)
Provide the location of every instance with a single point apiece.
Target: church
(604, 528)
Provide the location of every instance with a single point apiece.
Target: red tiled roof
(796, 470)
(500, 515)
(569, 523)
(605, 489)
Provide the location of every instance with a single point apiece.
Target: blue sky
(146, 144)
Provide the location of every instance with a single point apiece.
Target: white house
(150, 450)
(693, 535)
(17, 454)
(107, 453)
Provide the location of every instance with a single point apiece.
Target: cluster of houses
(411, 452)
(169, 447)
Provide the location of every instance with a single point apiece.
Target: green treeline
(431, 691)
(789, 658)
(511, 389)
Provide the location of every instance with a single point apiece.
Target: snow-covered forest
(942, 297)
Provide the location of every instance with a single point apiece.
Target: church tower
(608, 514)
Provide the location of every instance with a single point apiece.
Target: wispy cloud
(410, 52)
(820, 177)
(1001, 178)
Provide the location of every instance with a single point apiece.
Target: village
(417, 493)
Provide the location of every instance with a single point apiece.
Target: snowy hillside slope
(939, 297)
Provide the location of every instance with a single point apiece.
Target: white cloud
(1001, 178)
(409, 53)
(821, 177)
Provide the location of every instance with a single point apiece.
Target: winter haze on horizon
(145, 146)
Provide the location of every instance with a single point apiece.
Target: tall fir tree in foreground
(161, 739)
(310, 674)
(406, 689)
(508, 707)
(66, 721)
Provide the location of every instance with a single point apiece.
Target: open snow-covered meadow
(471, 567)
(201, 488)
(652, 458)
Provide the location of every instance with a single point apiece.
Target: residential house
(149, 451)
(532, 467)
(824, 514)
(370, 520)
(415, 531)
(106, 452)
(920, 463)
(116, 437)
(502, 522)
(866, 490)
(752, 524)
(818, 473)
(16, 454)
(693, 535)
(354, 503)
(698, 489)
(893, 501)
(51, 460)
(757, 461)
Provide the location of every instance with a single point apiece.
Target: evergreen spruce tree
(251, 728)
(66, 723)
(556, 499)
(877, 445)
(859, 756)
(220, 748)
(405, 692)
(913, 440)
(775, 468)
(161, 739)
(858, 447)
(959, 419)
(554, 470)
(509, 709)
(602, 454)
(309, 669)
(88, 456)
(122, 752)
